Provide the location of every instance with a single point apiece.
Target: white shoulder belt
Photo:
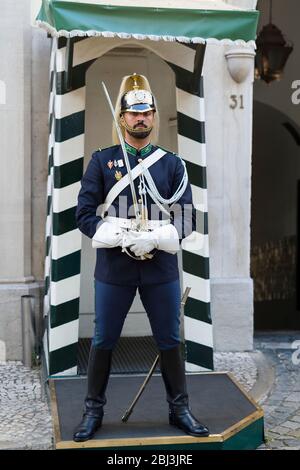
(123, 182)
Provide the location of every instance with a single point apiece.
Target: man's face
(139, 122)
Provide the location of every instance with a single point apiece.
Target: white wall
(250, 4)
(39, 141)
(15, 142)
(16, 172)
(228, 141)
(34, 9)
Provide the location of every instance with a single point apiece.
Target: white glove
(107, 236)
(168, 239)
(163, 238)
(140, 242)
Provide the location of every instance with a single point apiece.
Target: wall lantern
(272, 52)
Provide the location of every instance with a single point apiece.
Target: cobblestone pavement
(25, 420)
(242, 366)
(282, 405)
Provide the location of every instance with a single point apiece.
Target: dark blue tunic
(113, 266)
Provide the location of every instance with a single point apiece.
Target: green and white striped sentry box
(82, 32)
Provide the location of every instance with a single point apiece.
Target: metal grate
(132, 355)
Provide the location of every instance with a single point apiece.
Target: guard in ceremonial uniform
(136, 205)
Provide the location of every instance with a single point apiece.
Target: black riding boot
(172, 370)
(98, 374)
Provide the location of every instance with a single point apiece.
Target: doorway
(275, 221)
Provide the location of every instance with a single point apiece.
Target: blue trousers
(162, 305)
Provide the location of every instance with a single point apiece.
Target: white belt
(131, 223)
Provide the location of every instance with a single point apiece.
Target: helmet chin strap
(132, 130)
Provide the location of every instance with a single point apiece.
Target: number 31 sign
(237, 101)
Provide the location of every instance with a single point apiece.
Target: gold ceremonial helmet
(137, 100)
(135, 95)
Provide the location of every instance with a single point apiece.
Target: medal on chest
(118, 175)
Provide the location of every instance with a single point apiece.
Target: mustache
(140, 124)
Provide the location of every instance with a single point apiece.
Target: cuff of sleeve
(104, 236)
(99, 223)
(168, 239)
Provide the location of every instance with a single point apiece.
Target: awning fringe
(141, 37)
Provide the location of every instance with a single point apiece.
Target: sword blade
(122, 142)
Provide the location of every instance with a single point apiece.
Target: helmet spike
(135, 78)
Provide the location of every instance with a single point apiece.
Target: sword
(122, 142)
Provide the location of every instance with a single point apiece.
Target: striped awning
(190, 21)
